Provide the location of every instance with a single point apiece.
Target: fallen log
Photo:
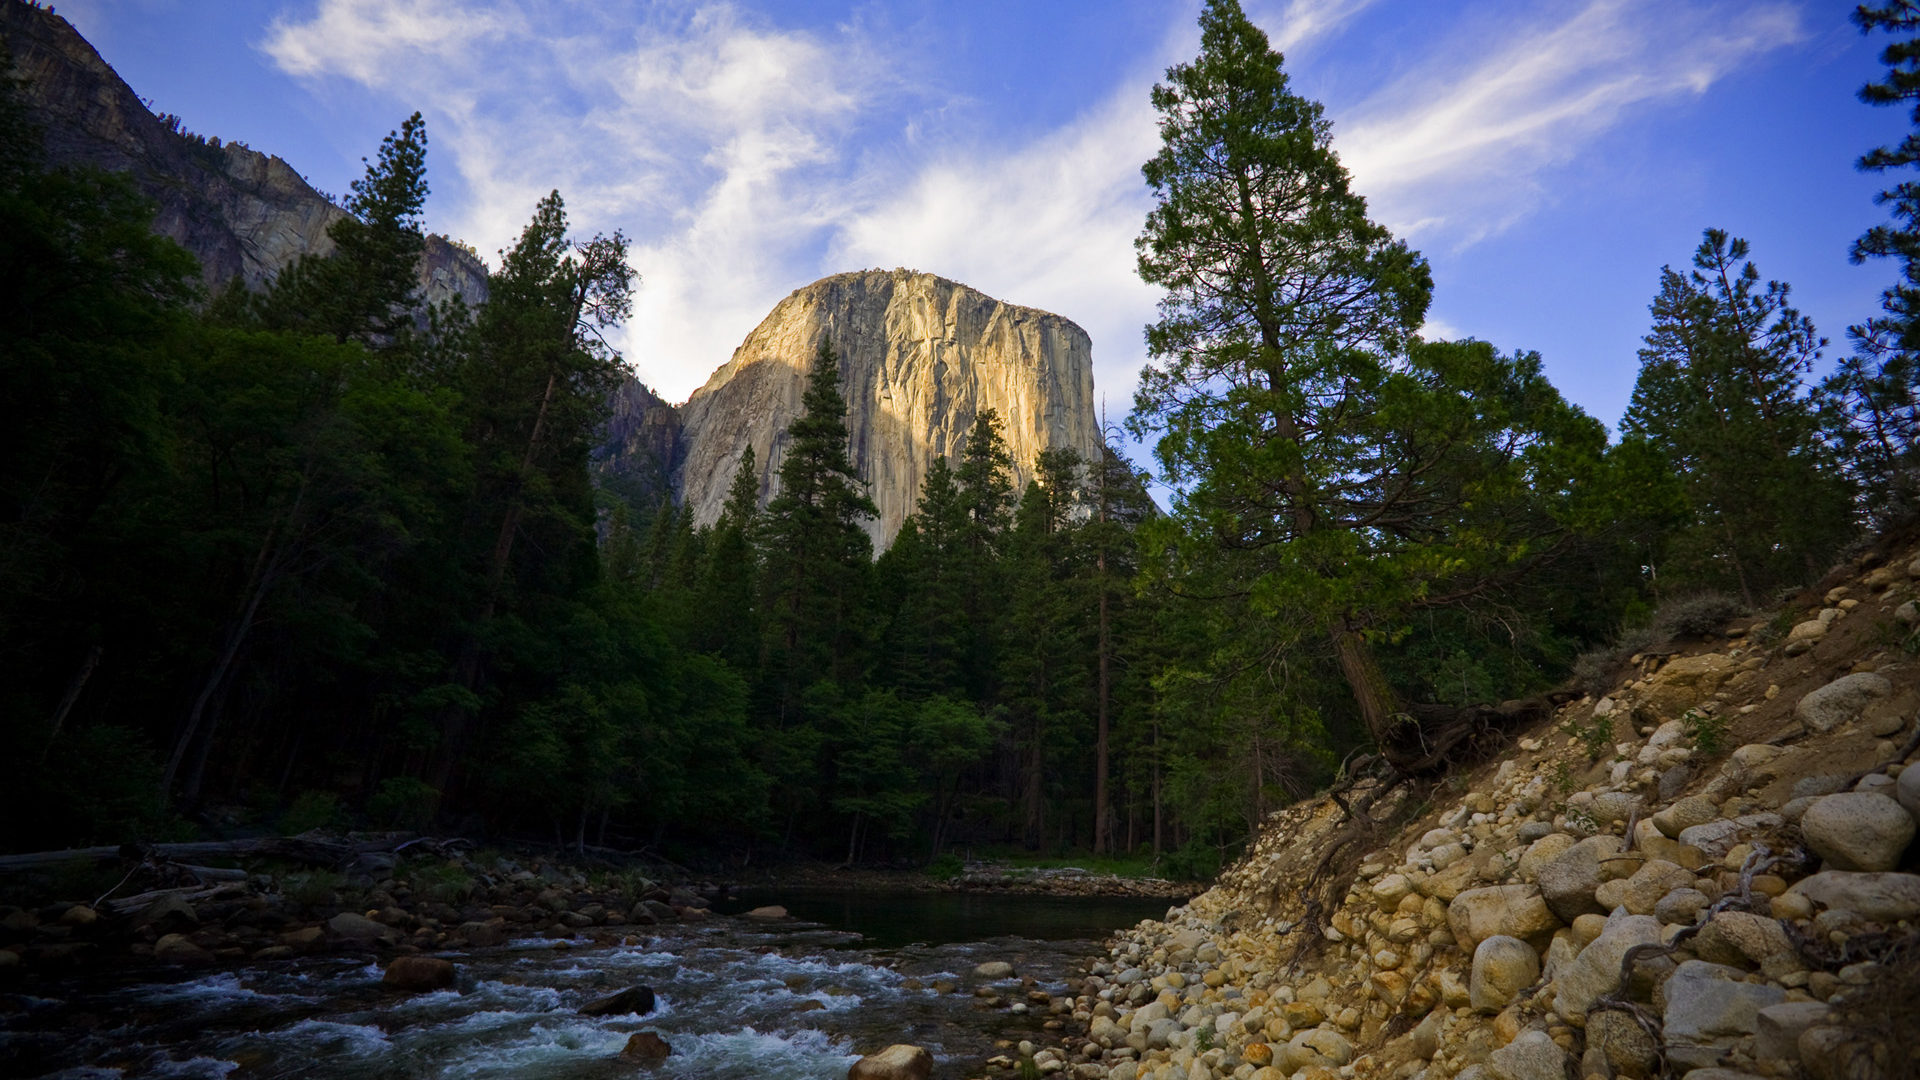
(311, 851)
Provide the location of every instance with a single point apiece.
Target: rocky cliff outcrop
(921, 356)
(1707, 871)
(642, 437)
(241, 212)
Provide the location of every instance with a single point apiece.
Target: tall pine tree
(1720, 396)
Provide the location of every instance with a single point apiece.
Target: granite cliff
(239, 211)
(921, 356)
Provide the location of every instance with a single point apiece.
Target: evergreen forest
(326, 555)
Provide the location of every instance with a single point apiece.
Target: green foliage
(945, 867)
(443, 882)
(403, 802)
(1331, 468)
(1595, 734)
(1719, 396)
(1707, 731)
(313, 888)
(1194, 861)
(1696, 615)
(312, 810)
(1564, 781)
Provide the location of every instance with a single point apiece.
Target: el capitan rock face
(920, 357)
(240, 212)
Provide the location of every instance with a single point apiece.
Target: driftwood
(142, 901)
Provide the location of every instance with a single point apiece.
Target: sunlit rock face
(241, 212)
(921, 356)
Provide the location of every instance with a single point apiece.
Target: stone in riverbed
(350, 927)
(1628, 1048)
(1741, 939)
(646, 1046)
(1778, 1034)
(992, 969)
(770, 911)
(632, 1000)
(417, 974)
(176, 949)
(897, 1062)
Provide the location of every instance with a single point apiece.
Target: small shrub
(315, 888)
(1204, 1039)
(1707, 730)
(311, 810)
(1579, 820)
(1562, 777)
(446, 883)
(403, 802)
(1594, 670)
(1697, 615)
(1595, 734)
(945, 868)
(629, 885)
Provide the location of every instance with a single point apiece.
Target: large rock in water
(896, 1062)
(921, 356)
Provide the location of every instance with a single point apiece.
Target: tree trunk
(1102, 827)
(72, 696)
(1371, 692)
(266, 572)
(1157, 819)
(466, 669)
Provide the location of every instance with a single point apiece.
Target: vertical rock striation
(921, 356)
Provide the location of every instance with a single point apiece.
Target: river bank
(728, 992)
(427, 897)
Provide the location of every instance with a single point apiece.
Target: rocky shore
(384, 904)
(1707, 872)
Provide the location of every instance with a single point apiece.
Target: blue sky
(1548, 156)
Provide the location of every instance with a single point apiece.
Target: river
(803, 998)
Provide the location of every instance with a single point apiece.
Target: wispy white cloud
(1457, 150)
(746, 158)
(717, 141)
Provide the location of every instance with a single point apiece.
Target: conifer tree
(726, 620)
(367, 288)
(1871, 402)
(814, 551)
(1329, 468)
(1720, 396)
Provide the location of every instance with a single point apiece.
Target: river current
(802, 998)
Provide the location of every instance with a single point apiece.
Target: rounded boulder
(416, 974)
(1858, 830)
(897, 1062)
(1502, 967)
